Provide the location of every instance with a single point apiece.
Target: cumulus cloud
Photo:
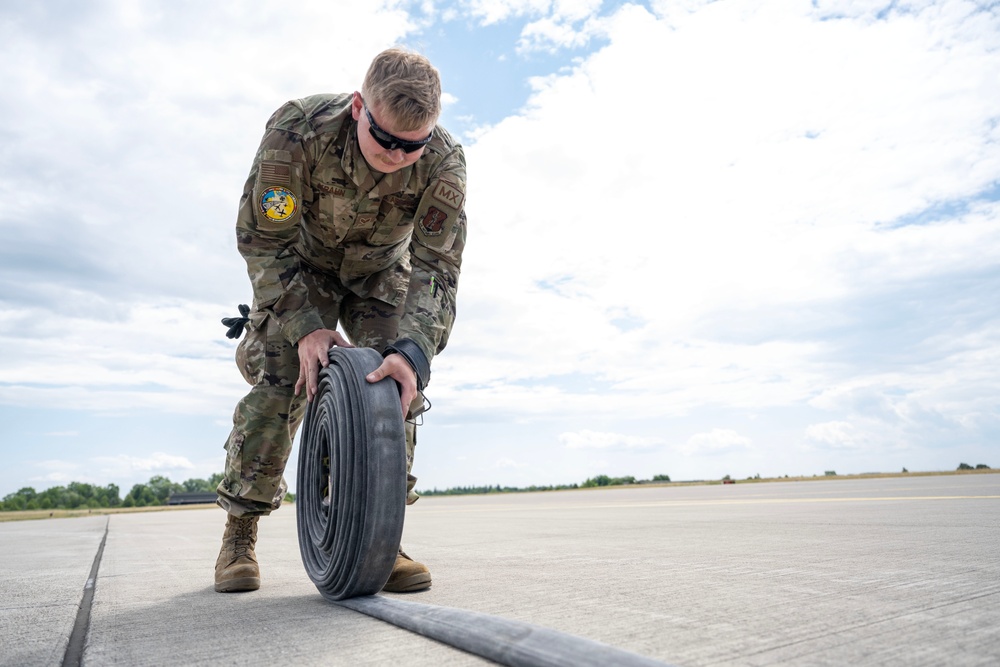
(54, 472)
(551, 25)
(585, 439)
(836, 435)
(489, 12)
(716, 441)
(752, 215)
(508, 463)
(122, 466)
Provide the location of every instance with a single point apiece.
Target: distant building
(193, 498)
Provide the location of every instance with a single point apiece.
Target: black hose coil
(351, 478)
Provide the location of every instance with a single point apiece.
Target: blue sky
(706, 238)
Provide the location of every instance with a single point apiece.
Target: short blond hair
(405, 86)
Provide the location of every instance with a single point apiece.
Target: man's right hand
(314, 352)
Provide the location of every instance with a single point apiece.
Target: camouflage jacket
(311, 200)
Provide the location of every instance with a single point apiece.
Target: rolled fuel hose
(351, 478)
(350, 502)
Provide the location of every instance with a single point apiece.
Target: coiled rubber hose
(351, 478)
(350, 502)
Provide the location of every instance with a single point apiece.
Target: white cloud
(738, 208)
(494, 11)
(586, 439)
(157, 462)
(836, 435)
(52, 479)
(55, 472)
(716, 441)
(147, 355)
(554, 25)
(508, 463)
(550, 34)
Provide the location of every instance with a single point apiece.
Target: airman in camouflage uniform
(353, 214)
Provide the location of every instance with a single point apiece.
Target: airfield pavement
(890, 571)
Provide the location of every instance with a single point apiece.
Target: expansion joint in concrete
(78, 638)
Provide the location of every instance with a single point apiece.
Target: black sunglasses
(392, 142)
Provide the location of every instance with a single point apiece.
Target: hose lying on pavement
(351, 497)
(501, 640)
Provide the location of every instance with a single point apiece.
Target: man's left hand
(396, 367)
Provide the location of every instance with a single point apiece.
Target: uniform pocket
(252, 350)
(390, 228)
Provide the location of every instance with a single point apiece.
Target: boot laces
(243, 537)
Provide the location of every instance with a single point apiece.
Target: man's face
(379, 158)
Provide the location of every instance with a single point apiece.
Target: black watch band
(414, 356)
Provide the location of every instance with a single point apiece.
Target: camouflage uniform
(327, 241)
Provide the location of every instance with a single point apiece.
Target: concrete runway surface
(898, 571)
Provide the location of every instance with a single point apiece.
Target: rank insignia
(277, 204)
(433, 222)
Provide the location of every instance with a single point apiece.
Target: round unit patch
(277, 204)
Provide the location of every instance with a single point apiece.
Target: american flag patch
(273, 172)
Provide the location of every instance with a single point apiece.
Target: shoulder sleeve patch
(449, 195)
(275, 172)
(277, 204)
(278, 154)
(432, 224)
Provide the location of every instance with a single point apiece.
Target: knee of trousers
(268, 407)
(264, 425)
(258, 449)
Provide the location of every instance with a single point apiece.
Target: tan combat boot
(407, 576)
(236, 569)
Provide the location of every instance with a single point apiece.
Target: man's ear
(357, 103)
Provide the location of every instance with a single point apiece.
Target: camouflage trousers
(266, 419)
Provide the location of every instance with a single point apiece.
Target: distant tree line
(600, 480)
(76, 495)
(72, 496)
(157, 490)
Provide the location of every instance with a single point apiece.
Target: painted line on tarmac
(689, 503)
(778, 501)
(78, 638)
